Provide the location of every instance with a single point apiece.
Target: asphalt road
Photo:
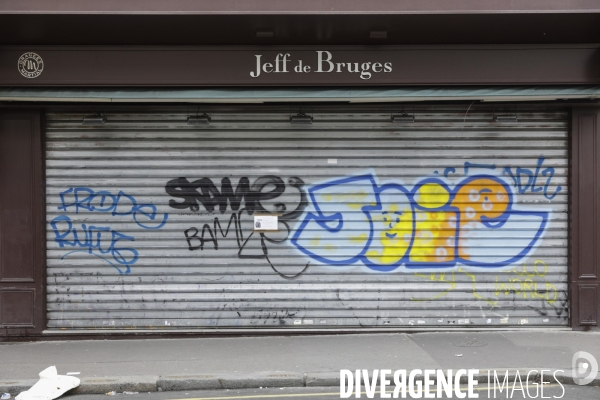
(330, 393)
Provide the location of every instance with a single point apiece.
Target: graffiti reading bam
(431, 226)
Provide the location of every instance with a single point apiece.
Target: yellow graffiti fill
(315, 241)
(395, 231)
(434, 237)
(354, 201)
(330, 248)
(359, 239)
(432, 195)
(326, 197)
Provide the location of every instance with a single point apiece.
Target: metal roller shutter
(453, 219)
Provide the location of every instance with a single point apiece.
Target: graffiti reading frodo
(102, 241)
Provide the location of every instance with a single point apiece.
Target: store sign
(247, 66)
(323, 62)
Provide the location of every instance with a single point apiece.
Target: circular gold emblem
(30, 65)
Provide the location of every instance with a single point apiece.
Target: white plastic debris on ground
(50, 386)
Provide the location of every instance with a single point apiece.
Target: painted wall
(443, 221)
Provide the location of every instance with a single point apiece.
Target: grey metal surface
(257, 95)
(493, 252)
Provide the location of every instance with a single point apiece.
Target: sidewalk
(212, 363)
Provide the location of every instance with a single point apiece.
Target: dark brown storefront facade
(429, 166)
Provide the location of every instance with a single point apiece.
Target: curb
(14, 387)
(117, 384)
(230, 381)
(251, 381)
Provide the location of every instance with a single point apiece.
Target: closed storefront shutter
(442, 218)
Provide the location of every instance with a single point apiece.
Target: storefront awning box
(268, 95)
